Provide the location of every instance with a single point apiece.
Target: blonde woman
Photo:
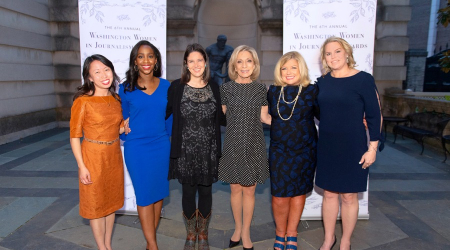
(346, 95)
(244, 159)
(293, 142)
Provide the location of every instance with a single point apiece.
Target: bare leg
(280, 209)
(109, 229)
(236, 207)
(147, 218)
(98, 229)
(330, 210)
(158, 206)
(349, 216)
(248, 206)
(296, 205)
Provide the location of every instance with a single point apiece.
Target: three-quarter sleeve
(316, 109)
(372, 110)
(77, 118)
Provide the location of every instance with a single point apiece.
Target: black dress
(244, 159)
(343, 104)
(197, 162)
(292, 151)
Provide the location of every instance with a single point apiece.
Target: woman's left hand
(127, 126)
(368, 158)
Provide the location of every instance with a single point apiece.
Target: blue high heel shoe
(278, 245)
(291, 239)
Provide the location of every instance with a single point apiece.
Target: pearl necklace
(294, 101)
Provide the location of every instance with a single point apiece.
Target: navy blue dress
(292, 151)
(342, 135)
(147, 146)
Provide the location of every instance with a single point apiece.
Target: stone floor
(409, 204)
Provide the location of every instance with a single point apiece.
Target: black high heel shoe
(233, 243)
(334, 243)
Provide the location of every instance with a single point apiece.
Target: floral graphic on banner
(92, 8)
(363, 8)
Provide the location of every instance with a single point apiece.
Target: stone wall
(40, 61)
(391, 42)
(27, 92)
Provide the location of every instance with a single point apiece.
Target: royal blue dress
(343, 103)
(147, 146)
(292, 151)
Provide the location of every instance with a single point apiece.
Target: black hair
(185, 74)
(132, 75)
(88, 87)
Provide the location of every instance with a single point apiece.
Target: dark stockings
(204, 199)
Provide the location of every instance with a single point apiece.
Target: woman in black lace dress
(195, 103)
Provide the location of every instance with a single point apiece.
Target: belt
(102, 142)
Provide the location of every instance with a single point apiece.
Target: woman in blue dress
(293, 141)
(346, 96)
(147, 146)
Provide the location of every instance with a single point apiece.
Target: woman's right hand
(85, 175)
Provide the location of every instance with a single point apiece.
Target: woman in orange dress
(97, 116)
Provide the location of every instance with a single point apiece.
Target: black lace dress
(197, 163)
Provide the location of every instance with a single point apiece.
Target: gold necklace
(294, 101)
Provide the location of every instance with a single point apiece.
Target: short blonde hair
(302, 67)
(344, 44)
(231, 65)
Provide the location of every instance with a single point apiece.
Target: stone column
(66, 55)
(181, 31)
(391, 42)
(270, 37)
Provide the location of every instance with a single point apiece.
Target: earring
(156, 67)
(347, 59)
(136, 68)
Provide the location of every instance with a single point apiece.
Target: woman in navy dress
(293, 141)
(147, 146)
(346, 96)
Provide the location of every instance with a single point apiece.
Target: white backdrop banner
(111, 28)
(306, 25)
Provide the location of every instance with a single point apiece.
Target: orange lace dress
(98, 119)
